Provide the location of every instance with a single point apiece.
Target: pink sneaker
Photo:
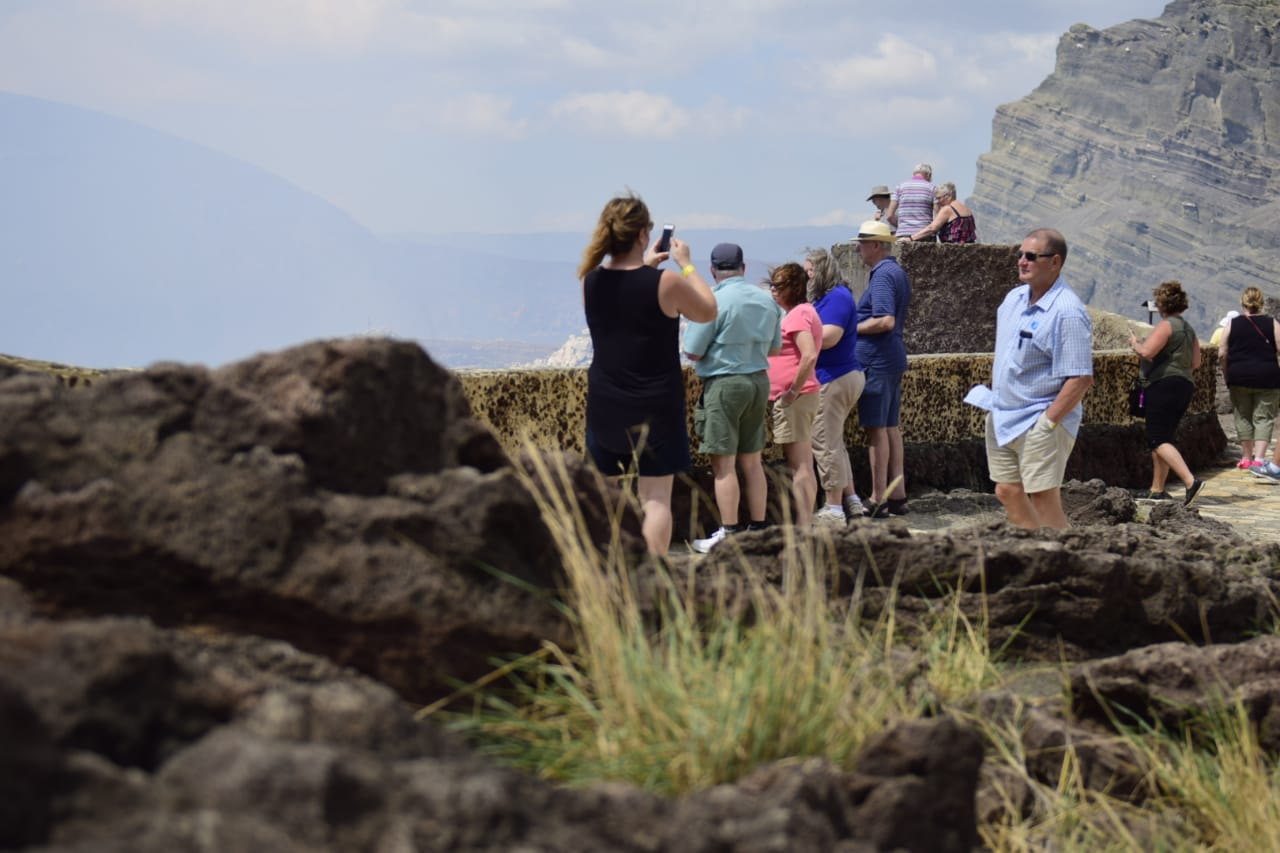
(1244, 463)
(1257, 463)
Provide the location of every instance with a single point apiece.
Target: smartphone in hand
(664, 242)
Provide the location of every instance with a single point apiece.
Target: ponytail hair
(621, 222)
(1251, 300)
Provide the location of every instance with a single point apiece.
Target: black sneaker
(1148, 495)
(1193, 490)
(898, 506)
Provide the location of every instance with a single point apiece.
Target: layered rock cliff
(1155, 147)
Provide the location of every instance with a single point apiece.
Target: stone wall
(943, 435)
(955, 291)
(951, 332)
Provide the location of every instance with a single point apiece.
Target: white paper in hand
(980, 396)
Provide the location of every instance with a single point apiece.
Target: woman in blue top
(841, 376)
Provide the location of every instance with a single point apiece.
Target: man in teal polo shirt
(731, 357)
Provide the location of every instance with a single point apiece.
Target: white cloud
(331, 25)
(632, 113)
(691, 221)
(40, 55)
(838, 217)
(1004, 66)
(482, 114)
(466, 114)
(897, 64)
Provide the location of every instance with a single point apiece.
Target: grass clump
(683, 692)
(1216, 776)
(677, 686)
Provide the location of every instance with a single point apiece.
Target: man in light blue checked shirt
(1043, 368)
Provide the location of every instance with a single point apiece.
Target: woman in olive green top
(1169, 355)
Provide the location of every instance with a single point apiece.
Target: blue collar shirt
(747, 326)
(1038, 348)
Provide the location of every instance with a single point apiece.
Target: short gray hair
(947, 188)
(923, 169)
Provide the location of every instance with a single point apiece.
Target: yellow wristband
(688, 270)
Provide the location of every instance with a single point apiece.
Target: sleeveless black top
(1251, 353)
(635, 376)
(961, 229)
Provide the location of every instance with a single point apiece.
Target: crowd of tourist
(801, 354)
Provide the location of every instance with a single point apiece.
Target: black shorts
(1167, 401)
(658, 456)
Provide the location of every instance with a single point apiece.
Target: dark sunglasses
(1032, 257)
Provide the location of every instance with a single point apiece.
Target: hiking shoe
(874, 510)
(1269, 471)
(829, 515)
(702, 546)
(897, 506)
(852, 507)
(1149, 495)
(1194, 489)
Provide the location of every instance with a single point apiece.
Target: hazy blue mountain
(122, 246)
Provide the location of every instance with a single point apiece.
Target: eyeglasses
(1032, 257)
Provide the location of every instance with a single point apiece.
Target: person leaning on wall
(953, 223)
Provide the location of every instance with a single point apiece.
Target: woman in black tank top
(635, 386)
(1247, 353)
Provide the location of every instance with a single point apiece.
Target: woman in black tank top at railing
(635, 387)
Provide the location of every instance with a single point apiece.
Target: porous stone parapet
(943, 435)
(955, 291)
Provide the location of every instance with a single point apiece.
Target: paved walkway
(1249, 504)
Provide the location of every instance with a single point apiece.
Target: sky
(431, 116)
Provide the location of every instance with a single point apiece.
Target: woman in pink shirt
(793, 387)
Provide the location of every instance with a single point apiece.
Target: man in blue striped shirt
(1043, 368)
(912, 206)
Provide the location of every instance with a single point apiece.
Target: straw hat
(874, 232)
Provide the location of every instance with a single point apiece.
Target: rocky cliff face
(1155, 147)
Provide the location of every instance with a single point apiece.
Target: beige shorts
(795, 422)
(1037, 459)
